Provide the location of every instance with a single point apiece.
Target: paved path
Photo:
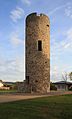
(15, 97)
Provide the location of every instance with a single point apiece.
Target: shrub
(52, 87)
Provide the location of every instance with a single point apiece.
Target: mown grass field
(55, 107)
(7, 91)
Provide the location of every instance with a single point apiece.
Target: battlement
(36, 15)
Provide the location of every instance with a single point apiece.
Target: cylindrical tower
(37, 53)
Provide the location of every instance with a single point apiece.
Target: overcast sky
(12, 36)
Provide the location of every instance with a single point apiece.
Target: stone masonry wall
(37, 62)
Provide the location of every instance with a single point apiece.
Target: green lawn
(56, 107)
(8, 91)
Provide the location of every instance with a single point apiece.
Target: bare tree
(65, 78)
(70, 75)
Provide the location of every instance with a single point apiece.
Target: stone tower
(37, 53)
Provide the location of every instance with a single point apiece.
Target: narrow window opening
(47, 25)
(46, 62)
(39, 45)
(27, 79)
(36, 81)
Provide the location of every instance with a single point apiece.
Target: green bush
(52, 87)
(70, 88)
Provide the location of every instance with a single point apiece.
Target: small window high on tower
(39, 45)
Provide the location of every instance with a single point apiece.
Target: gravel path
(19, 96)
(9, 98)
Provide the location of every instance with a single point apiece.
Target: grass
(7, 91)
(56, 107)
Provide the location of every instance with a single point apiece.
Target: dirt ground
(19, 96)
(9, 97)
